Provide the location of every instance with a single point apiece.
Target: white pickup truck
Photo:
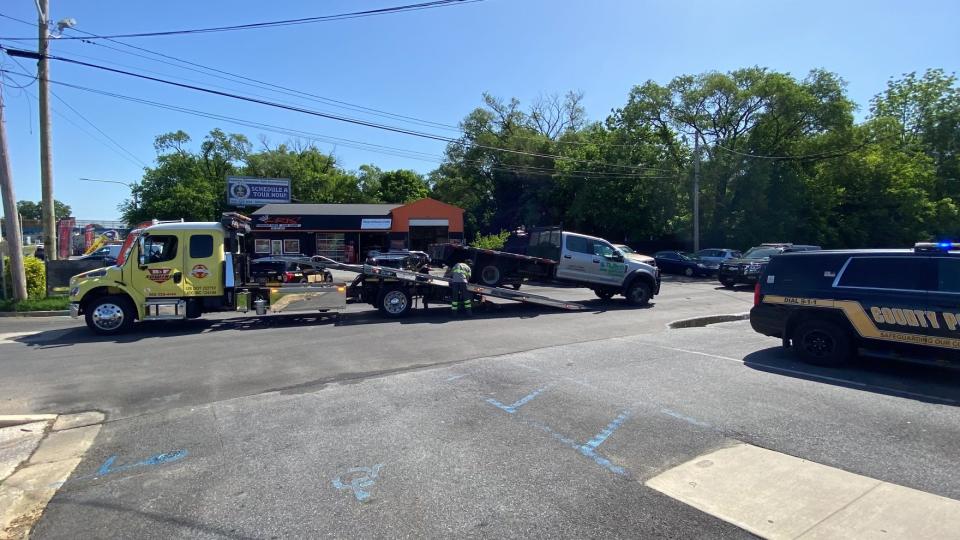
(551, 254)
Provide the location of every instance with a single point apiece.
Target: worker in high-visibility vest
(460, 301)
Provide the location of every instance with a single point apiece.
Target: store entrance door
(422, 236)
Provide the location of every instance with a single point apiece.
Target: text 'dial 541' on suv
(828, 305)
(749, 267)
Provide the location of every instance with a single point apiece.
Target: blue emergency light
(936, 246)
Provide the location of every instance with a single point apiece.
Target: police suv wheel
(822, 343)
(394, 303)
(638, 294)
(109, 315)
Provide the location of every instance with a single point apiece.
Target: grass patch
(54, 303)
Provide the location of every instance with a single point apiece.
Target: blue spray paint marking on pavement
(589, 449)
(359, 482)
(455, 377)
(687, 419)
(107, 467)
(519, 403)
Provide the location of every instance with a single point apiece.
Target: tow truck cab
(182, 270)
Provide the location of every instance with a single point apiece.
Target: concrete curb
(63, 313)
(37, 477)
(19, 419)
(698, 322)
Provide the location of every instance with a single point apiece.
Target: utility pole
(48, 215)
(14, 241)
(696, 191)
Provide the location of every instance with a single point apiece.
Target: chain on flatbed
(429, 279)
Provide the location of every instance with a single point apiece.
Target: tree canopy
(782, 158)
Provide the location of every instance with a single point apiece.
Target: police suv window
(201, 246)
(903, 273)
(948, 275)
(578, 244)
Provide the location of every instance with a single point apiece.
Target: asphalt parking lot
(520, 422)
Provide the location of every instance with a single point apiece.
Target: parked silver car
(717, 255)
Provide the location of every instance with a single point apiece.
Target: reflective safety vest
(461, 271)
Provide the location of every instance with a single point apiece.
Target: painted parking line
(589, 448)
(779, 496)
(517, 404)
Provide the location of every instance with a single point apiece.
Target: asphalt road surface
(521, 423)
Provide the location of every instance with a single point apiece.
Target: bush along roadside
(53, 303)
(36, 277)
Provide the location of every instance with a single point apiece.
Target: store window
(261, 245)
(291, 246)
(330, 245)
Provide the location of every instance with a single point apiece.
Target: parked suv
(749, 267)
(892, 303)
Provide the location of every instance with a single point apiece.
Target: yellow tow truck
(182, 270)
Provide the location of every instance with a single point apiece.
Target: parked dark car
(748, 268)
(415, 261)
(678, 262)
(285, 272)
(107, 255)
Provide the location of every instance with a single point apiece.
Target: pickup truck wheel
(822, 343)
(491, 276)
(638, 294)
(394, 303)
(603, 294)
(728, 283)
(109, 315)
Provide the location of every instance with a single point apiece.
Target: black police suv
(895, 303)
(749, 267)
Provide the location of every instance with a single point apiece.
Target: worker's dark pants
(460, 298)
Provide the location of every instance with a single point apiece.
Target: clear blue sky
(433, 64)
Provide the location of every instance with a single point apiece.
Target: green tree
(32, 210)
(402, 186)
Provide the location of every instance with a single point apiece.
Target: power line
(356, 121)
(75, 111)
(285, 22)
(371, 147)
(293, 92)
(804, 157)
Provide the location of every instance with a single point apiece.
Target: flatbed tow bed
(393, 291)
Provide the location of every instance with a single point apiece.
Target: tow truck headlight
(74, 291)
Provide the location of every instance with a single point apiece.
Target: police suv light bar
(936, 246)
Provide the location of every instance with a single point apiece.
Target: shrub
(36, 277)
(491, 241)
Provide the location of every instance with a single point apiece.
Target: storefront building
(346, 232)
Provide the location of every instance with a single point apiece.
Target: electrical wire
(804, 157)
(372, 147)
(293, 92)
(285, 22)
(303, 110)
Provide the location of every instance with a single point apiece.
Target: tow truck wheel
(603, 294)
(394, 303)
(822, 343)
(491, 276)
(638, 294)
(109, 315)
